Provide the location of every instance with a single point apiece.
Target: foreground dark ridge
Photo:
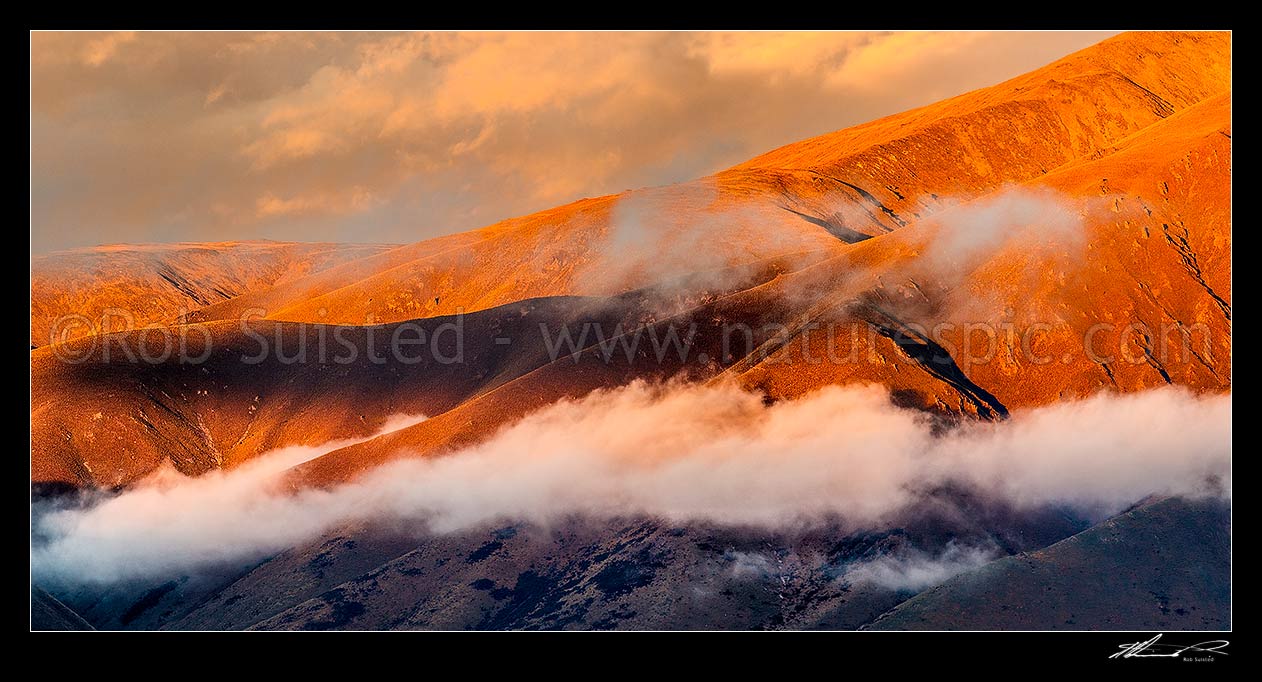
(1161, 566)
(1169, 571)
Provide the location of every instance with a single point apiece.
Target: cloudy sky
(148, 137)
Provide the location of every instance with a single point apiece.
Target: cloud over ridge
(682, 453)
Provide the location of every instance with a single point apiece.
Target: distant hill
(155, 283)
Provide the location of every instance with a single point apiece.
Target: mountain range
(1088, 199)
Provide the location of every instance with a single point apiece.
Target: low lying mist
(680, 453)
(915, 569)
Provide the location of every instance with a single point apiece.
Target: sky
(399, 137)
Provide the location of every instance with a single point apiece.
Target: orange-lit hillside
(1132, 134)
(820, 193)
(142, 284)
(1146, 251)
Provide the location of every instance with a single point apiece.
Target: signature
(1154, 649)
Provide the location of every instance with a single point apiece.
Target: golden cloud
(217, 135)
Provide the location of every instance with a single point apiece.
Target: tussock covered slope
(156, 283)
(1132, 135)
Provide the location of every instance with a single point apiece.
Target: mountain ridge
(207, 420)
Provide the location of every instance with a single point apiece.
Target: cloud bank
(681, 453)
